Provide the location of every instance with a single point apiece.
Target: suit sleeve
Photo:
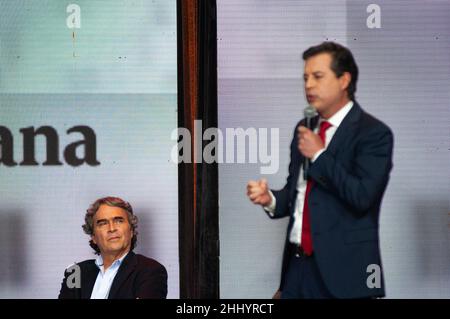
(152, 283)
(360, 185)
(66, 292)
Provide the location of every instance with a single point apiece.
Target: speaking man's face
(112, 230)
(324, 90)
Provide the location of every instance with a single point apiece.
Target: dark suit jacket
(350, 178)
(137, 277)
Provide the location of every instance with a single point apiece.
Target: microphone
(309, 112)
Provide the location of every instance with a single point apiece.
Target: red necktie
(306, 226)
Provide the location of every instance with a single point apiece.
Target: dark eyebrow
(100, 220)
(105, 220)
(316, 73)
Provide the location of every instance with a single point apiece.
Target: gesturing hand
(258, 192)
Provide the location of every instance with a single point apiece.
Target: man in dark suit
(117, 272)
(332, 242)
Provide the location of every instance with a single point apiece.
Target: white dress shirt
(296, 231)
(105, 278)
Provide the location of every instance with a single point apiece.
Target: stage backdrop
(403, 52)
(101, 73)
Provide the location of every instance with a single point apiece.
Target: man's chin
(114, 249)
(315, 104)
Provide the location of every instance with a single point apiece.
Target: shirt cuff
(317, 155)
(271, 207)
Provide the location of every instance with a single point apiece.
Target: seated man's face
(112, 230)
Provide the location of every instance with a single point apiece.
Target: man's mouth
(311, 98)
(113, 238)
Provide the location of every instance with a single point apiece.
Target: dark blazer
(350, 178)
(137, 277)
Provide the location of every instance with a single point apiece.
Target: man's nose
(309, 83)
(112, 227)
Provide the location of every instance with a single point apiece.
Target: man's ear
(345, 80)
(93, 239)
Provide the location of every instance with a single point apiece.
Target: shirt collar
(99, 261)
(339, 116)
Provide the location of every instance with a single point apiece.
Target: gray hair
(88, 226)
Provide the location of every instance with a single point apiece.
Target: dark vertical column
(207, 174)
(197, 182)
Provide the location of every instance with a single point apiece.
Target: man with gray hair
(117, 272)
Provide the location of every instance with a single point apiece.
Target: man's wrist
(317, 154)
(271, 207)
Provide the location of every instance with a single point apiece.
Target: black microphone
(309, 112)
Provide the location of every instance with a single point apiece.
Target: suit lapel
(125, 269)
(347, 127)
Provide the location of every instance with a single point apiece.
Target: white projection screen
(100, 77)
(402, 49)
